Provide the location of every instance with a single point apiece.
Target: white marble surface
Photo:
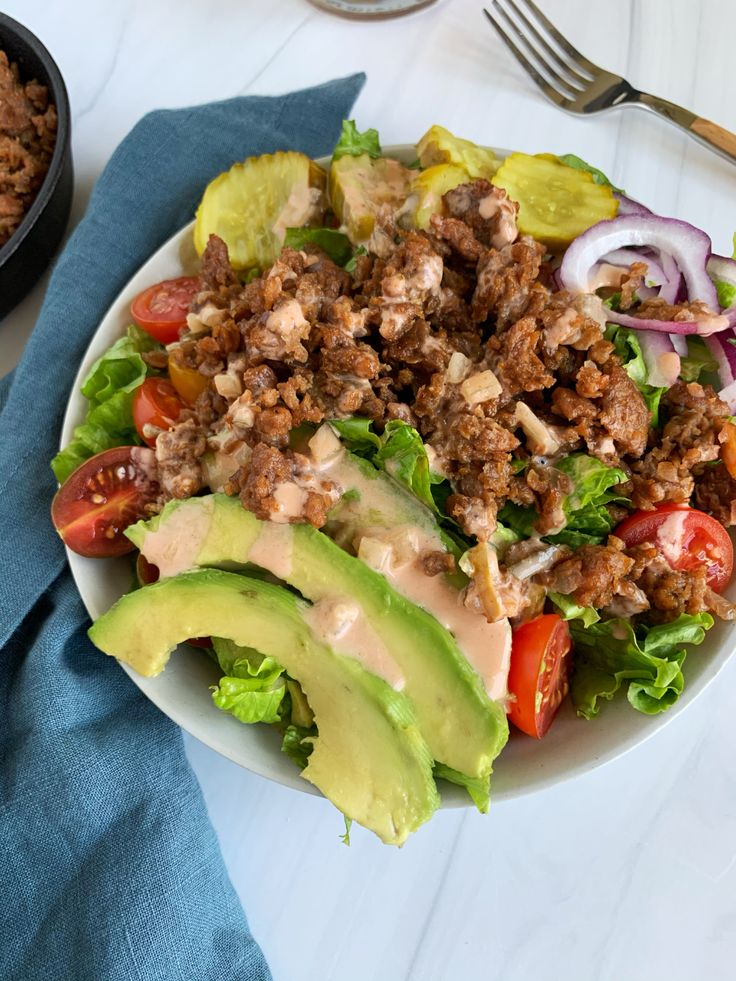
(628, 874)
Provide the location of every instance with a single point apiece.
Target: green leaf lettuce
(354, 143)
(109, 388)
(611, 653)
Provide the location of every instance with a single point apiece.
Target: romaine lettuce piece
(649, 659)
(570, 160)
(252, 688)
(629, 350)
(109, 387)
(353, 143)
(333, 243)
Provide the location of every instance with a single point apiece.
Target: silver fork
(575, 84)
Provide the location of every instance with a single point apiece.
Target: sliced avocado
(368, 758)
(463, 727)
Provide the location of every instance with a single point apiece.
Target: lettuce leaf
(109, 387)
(354, 144)
(252, 688)
(649, 659)
(726, 293)
(333, 243)
(699, 360)
(297, 743)
(479, 789)
(570, 160)
(400, 451)
(588, 521)
(628, 349)
(357, 435)
(570, 610)
(403, 456)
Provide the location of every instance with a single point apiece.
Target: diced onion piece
(228, 386)
(541, 441)
(480, 387)
(325, 445)
(537, 562)
(457, 368)
(375, 553)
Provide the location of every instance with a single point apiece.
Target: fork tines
(557, 67)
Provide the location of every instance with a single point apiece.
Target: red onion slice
(625, 257)
(688, 246)
(719, 267)
(679, 244)
(660, 357)
(679, 342)
(703, 327)
(728, 395)
(627, 206)
(725, 354)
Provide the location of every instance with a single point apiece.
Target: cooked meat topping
(27, 139)
(460, 333)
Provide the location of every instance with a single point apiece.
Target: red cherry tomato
(687, 538)
(146, 571)
(104, 496)
(161, 310)
(539, 676)
(156, 405)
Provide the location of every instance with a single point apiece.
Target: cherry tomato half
(156, 405)
(188, 382)
(687, 538)
(103, 497)
(539, 676)
(161, 310)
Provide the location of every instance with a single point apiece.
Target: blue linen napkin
(109, 868)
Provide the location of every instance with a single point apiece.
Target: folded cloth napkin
(109, 868)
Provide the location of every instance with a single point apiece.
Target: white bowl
(572, 747)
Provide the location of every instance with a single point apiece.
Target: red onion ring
(660, 357)
(678, 241)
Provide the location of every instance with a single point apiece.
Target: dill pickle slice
(556, 203)
(359, 186)
(440, 146)
(429, 185)
(251, 205)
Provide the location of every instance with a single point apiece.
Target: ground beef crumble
(460, 332)
(27, 139)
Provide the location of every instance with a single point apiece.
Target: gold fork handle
(716, 135)
(710, 134)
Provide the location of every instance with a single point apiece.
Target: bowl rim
(63, 132)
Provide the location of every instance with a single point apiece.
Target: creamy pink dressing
(486, 646)
(506, 230)
(177, 542)
(340, 623)
(273, 549)
(290, 498)
(606, 275)
(671, 535)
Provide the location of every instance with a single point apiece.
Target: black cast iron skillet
(27, 253)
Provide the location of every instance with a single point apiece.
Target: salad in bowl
(427, 450)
